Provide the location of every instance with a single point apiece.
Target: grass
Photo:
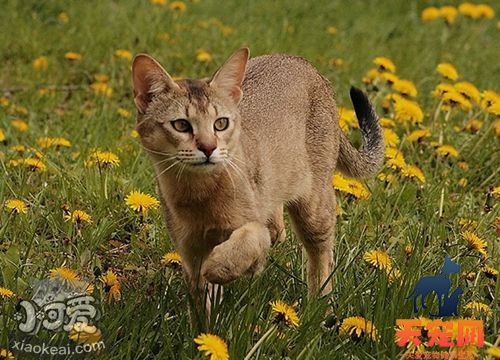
(151, 320)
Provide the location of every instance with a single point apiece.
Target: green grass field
(65, 93)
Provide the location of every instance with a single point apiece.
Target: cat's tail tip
(367, 161)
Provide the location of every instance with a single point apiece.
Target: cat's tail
(368, 160)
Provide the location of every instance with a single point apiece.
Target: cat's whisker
(163, 161)
(158, 152)
(225, 165)
(237, 170)
(168, 168)
(179, 171)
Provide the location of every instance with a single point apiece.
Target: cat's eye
(181, 125)
(221, 124)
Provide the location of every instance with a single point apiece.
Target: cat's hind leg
(313, 219)
(244, 252)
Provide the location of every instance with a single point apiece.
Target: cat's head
(193, 124)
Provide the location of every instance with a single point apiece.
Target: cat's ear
(229, 77)
(149, 78)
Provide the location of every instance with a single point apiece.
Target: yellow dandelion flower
(111, 285)
(485, 11)
(20, 125)
(371, 76)
(490, 272)
(430, 14)
(32, 163)
(407, 111)
(124, 113)
(102, 158)
(393, 153)
(356, 327)
(390, 78)
(203, 56)
(397, 163)
(5, 354)
(385, 64)
(158, 2)
(391, 139)
(473, 125)
(474, 242)
(494, 352)
(462, 165)
(64, 274)
(134, 134)
(386, 122)
(72, 56)
(284, 314)
(469, 9)
(78, 216)
(418, 135)
(447, 71)
(387, 178)
(4, 102)
(494, 109)
(489, 98)
(172, 259)
(332, 30)
(478, 308)
(454, 98)
(6, 293)
(468, 90)
(16, 206)
(409, 249)
(347, 119)
(448, 13)
(350, 186)
(447, 150)
(442, 89)
(378, 259)
(413, 172)
(177, 6)
(463, 182)
(140, 202)
(45, 142)
(212, 346)
(83, 333)
(40, 63)
(123, 54)
(101, 88)
(405, 87)
(63, 18)
(2, 135)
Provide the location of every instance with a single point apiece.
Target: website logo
(441, 285)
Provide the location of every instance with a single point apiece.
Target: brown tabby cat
(231, 151)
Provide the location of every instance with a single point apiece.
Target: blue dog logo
(440, 284)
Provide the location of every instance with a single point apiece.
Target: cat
(440, 284)
(232, 151)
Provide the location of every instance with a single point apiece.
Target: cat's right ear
(149, 78)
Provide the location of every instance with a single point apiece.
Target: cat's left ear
(229, 77)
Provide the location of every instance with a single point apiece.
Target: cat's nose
(207, 149)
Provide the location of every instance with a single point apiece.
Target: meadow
(78, 197)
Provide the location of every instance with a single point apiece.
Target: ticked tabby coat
(231, 152)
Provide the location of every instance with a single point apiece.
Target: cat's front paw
(219, 268)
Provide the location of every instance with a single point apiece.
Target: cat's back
(282, 87)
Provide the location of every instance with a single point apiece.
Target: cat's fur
(223, 192)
